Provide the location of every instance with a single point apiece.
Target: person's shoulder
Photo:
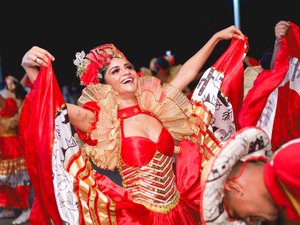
(146, 71)
(253, 69)
(251, 72)
(174, 70)
(7, 94)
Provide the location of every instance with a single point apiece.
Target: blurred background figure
(253, 68)
(14, 179)
(164, 68)
(71, 92)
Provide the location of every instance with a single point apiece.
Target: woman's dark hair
(102, 72)
(265, 60)
(162, 62)
(19, 90)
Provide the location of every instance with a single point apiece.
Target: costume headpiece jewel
(90, 67)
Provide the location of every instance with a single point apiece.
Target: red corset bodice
(138, 151)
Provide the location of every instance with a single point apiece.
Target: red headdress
(90, 67)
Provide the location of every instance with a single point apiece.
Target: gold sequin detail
(152, 185)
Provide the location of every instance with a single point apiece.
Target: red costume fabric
(92, 198)
(14, 181)
(37, 130)
(220, 90)
(231, 64)
(273, 103)
(179, 195)
(282, 178)
(156, 190)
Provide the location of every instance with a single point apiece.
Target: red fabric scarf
(36, 127)
(274, 101)
(220, 91)
(231, 63)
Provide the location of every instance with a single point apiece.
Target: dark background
(140, 29)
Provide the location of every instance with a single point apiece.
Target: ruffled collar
(129, 111)
(165, 102)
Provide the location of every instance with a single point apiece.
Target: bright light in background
(236, 13)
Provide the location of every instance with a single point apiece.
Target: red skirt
(14, 179)
(186, 212)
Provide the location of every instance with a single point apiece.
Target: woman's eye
(130, 67)
(115, 71)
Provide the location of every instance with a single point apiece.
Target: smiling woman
(124, 121)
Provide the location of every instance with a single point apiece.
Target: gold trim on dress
(295, 202)
(162, 209)
(11, 166)
(8, 133)
(165, 102)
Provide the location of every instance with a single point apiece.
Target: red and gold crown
(90, 67)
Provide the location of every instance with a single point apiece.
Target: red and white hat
(248, 143)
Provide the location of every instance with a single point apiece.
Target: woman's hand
(191, 68)
(35, 58)
(229, 33)
(281, 29)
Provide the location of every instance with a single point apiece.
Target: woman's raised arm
(192, 66)
(32, 60)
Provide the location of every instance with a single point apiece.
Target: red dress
(14, 179)
(156, 190)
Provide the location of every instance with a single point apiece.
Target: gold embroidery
(162, 209)
(94, 204)
(10, 166)
(8, 133)
(293, 200)
(153, 185)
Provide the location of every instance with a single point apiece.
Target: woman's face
(9, 81)
(122, 76)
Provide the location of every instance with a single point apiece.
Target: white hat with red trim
(248, 143)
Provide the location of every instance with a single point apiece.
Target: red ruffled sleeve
(86, 136)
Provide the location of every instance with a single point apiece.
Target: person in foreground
(132, 123)
(246, 182)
